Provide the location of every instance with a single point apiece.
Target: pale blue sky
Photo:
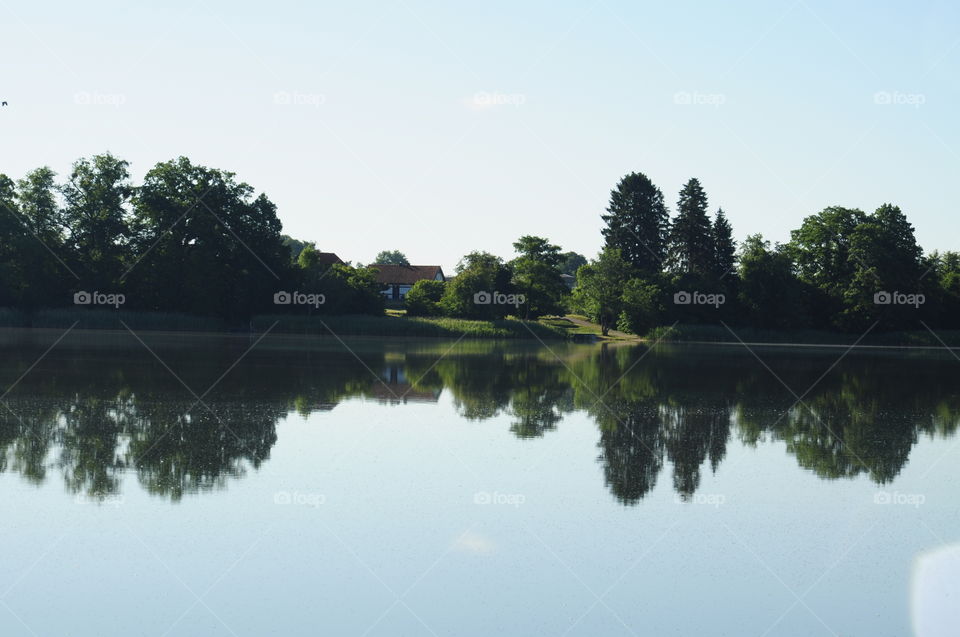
(385, 144)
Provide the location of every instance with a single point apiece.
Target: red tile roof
(406, 274)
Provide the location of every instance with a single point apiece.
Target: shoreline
(278, 337)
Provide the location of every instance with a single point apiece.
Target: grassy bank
(395, 324)
(403, 326)
(348, 325)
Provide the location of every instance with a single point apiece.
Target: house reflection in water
(395, 389)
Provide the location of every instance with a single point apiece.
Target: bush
(423, 299)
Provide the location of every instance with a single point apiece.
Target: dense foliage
(188, 240)
(193, 241)
(843, 270)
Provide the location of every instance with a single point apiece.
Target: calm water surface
(225, 486)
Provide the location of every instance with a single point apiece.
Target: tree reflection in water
(90, 415)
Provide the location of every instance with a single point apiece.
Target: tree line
(194, 240)
(842, 270)
(189, 239)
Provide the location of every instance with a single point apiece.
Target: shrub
(423, 299)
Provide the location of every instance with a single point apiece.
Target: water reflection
(91, 414)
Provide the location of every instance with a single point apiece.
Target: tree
(37, 194)
(536, 275)
(724, 247)
(43, 257)
(691, 249)
(571, 262)
(472, 293)
(296, 246)
(96, 215)
(945, 270)
(391, 257)
(820, 248)
(637, 223)
(600, 285)
(207, 246)
(423, 299)
(12, 279)
(642, 307)
(769, 293)
(884, 257)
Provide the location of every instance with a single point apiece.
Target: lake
(227, 485)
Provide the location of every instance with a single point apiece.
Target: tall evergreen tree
(691, 248)
(638, 223)
(724, 247)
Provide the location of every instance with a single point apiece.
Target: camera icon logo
(882, 298)
(482, 298)
(82, 298)
(682, 298)
(282, 298)
(882, 97)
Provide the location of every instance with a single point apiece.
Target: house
(398, 279)
(569, 280)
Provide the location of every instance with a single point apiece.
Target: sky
(438, 128)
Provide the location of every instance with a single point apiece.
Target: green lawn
(399, 325)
